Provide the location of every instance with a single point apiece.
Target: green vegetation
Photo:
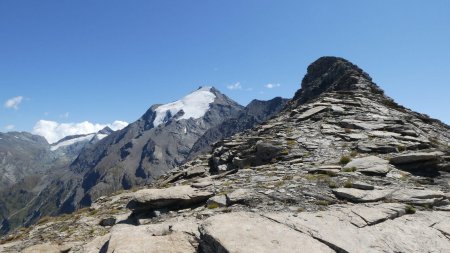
(401, 148)
(291, 143)
(322, 203)
(410, 209)
(287, 177)
(351, 169)
(284, 152)
(332, 184)
(213, 206)
(348, 184)
(344, 160)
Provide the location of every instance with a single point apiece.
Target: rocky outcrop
(321, 176)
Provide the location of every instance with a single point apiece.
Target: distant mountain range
(41, 179)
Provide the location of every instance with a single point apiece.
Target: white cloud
(13, 103)
(9, 127)
(54, 131)
(235, 86)
(272, 85)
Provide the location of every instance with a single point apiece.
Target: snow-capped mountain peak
(194, 105)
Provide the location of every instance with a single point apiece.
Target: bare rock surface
(132, 239)
(247, 232)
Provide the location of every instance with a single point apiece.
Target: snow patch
(194, 105)
(101, 136)
(72, 141)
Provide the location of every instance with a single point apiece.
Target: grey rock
(362, 186)
(217, 201)
(416, 157)
(247, 232)
(138, 239)
(174, 197)
(312, 112)
(241, 196)
(357, 195)
(110, 221)
(387, 229)
(45, 248)
(370, 165)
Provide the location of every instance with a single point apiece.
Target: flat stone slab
(330, 169)
(43, 248)
(311, 112)
(386, 230)
(376, 214)
(172, 198)
(357, 195)
(243, 232)
(362, 186)
(370, 165)
(416, 157)
(148, 239)
(419, 197)
(410, 196)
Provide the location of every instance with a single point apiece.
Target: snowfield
(194, 105)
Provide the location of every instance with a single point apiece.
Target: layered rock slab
(342, 231)
(171, 198)
(248, 232)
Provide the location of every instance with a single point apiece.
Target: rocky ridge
(342, 169)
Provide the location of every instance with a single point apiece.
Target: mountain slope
(28, 168)
(341, 169)
(254, 113)
(159, 141)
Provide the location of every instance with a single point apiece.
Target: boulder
(416, 157)
(217, 201)
(248, 233)
(241, 196)
(106, 222)
(176, 197)
(370, 165)
(265, 152)
(418, 197)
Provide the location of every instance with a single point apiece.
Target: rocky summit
(342, 168)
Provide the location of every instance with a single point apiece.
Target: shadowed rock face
(254, 113)
(333, 74)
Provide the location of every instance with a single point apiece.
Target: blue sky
(107, 60)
